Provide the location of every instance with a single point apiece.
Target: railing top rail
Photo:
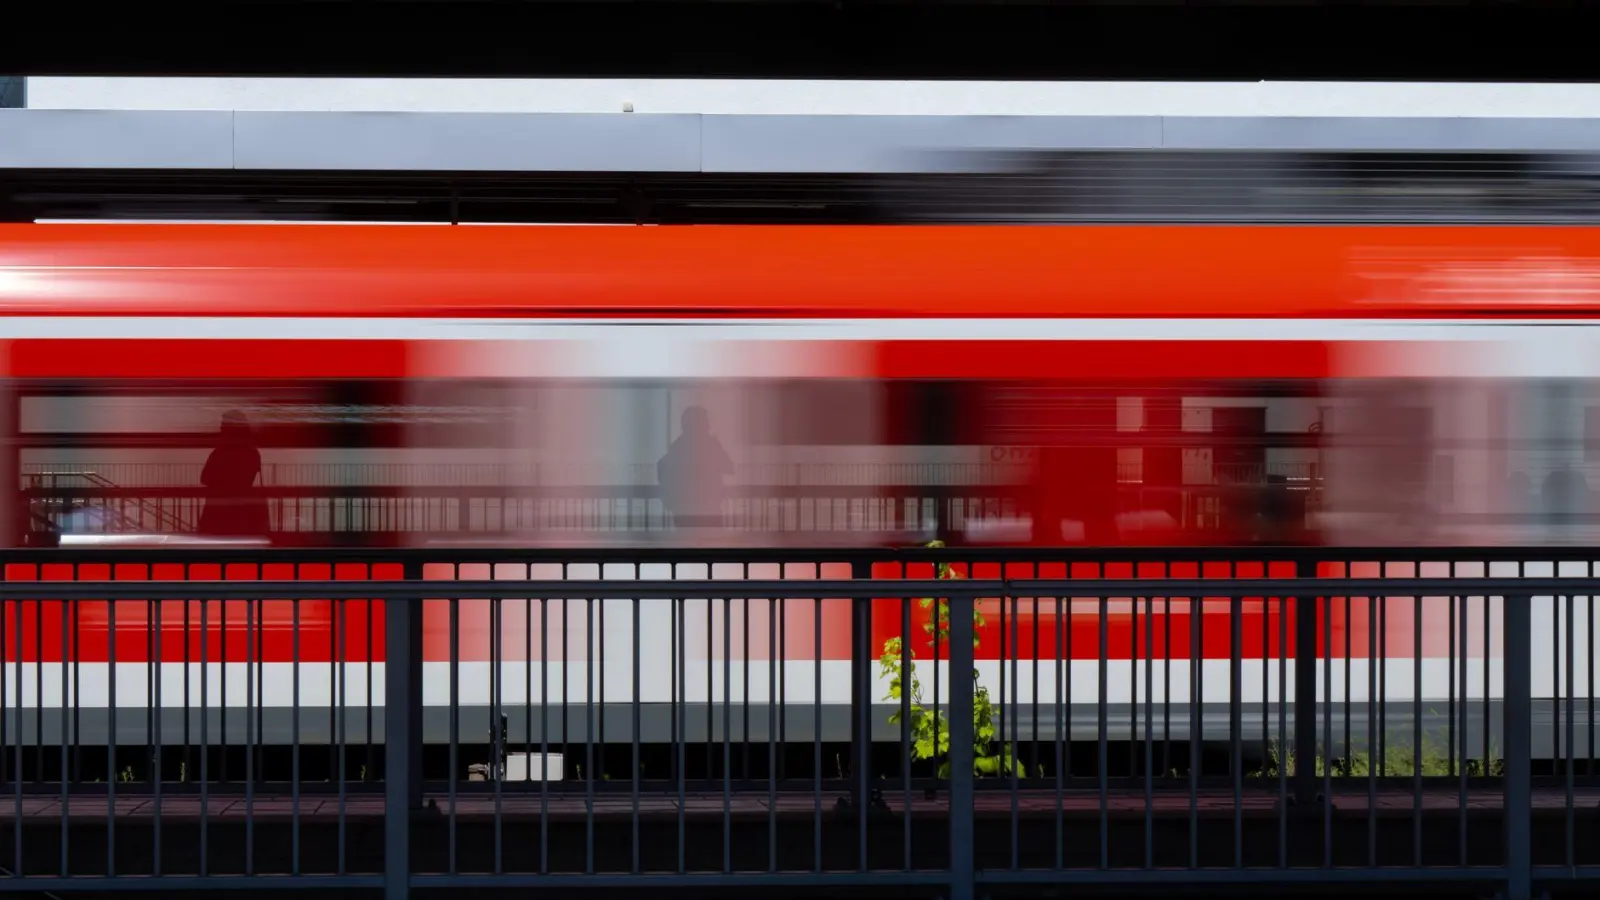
(662, 554)
(1155, 588)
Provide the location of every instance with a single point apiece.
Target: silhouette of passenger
(1519, 493)
(1565, 492)
(691, 473)
(233, 508)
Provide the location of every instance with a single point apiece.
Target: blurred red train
(525, 386)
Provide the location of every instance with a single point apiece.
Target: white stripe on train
(1126, 683)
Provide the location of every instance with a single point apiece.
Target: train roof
(494, 272)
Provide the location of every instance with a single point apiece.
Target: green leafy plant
(929, 727)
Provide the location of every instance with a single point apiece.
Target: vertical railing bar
(1305, 691)
(1104, 755)
(1349, 696)
(294, 733)
(402, 732)
(205, 730)
(1063, 726)
(774, 715)
(1133, 688)
(1518, 798)
(744, 702)
(939, 726)
(1417, 625)
(1461, 790)
(1374, 607)
(961, 641)
(1327, 729)
(1450, 704)
(1284, 605)
(455, 723)
(369, 695)
(1570, 763)
(816, 736)
(1196, 739)
(1149, 731)
(590, 653)
(1266, 685)
(155, 735)
(186, 706)
(678, 688)
(1034, 699)
(905, 729)
(1066, 753)
(111, 738)
(252, 727)
(1166, 684)
(497, 734)
(1589, 664)
(333, 681)
(727, 737)
(544, 731)
(68, 632)
(222, 688)
(1382, 759)
(680, 644)
(566, 657)
(1488, 649)
(261, 689)
(1555, 681)
(783, 688)
(638, 703)
(1009, 716)
(1236, 720)
(711, 687)
(341, 627)
(38, 685)
(527, 686)
(77, 692)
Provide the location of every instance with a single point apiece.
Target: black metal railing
(694, 719)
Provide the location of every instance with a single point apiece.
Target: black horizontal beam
(864, 589)
(1499, 41)
(682, 555)
(1053, 186)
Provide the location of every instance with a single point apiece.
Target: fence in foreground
(347, 725)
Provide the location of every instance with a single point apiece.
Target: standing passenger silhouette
(233, 508)
(691, 473)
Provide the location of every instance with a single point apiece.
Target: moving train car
(419, 386)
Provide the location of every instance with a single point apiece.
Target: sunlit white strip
(822, 97)
(273, 685)
(668, 331)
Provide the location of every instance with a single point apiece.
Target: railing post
(1305, 690)
(861, 681)
(400, 730)
(962, 886)
(1518, 644)
(412, 610)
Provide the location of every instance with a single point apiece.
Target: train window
(438, 461)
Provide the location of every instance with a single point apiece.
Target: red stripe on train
(1267, 625)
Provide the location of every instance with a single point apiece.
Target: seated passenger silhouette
(233, 507)
(1565, 492)
(1519, 494)
(691, 473)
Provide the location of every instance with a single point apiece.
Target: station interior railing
(696, 720)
